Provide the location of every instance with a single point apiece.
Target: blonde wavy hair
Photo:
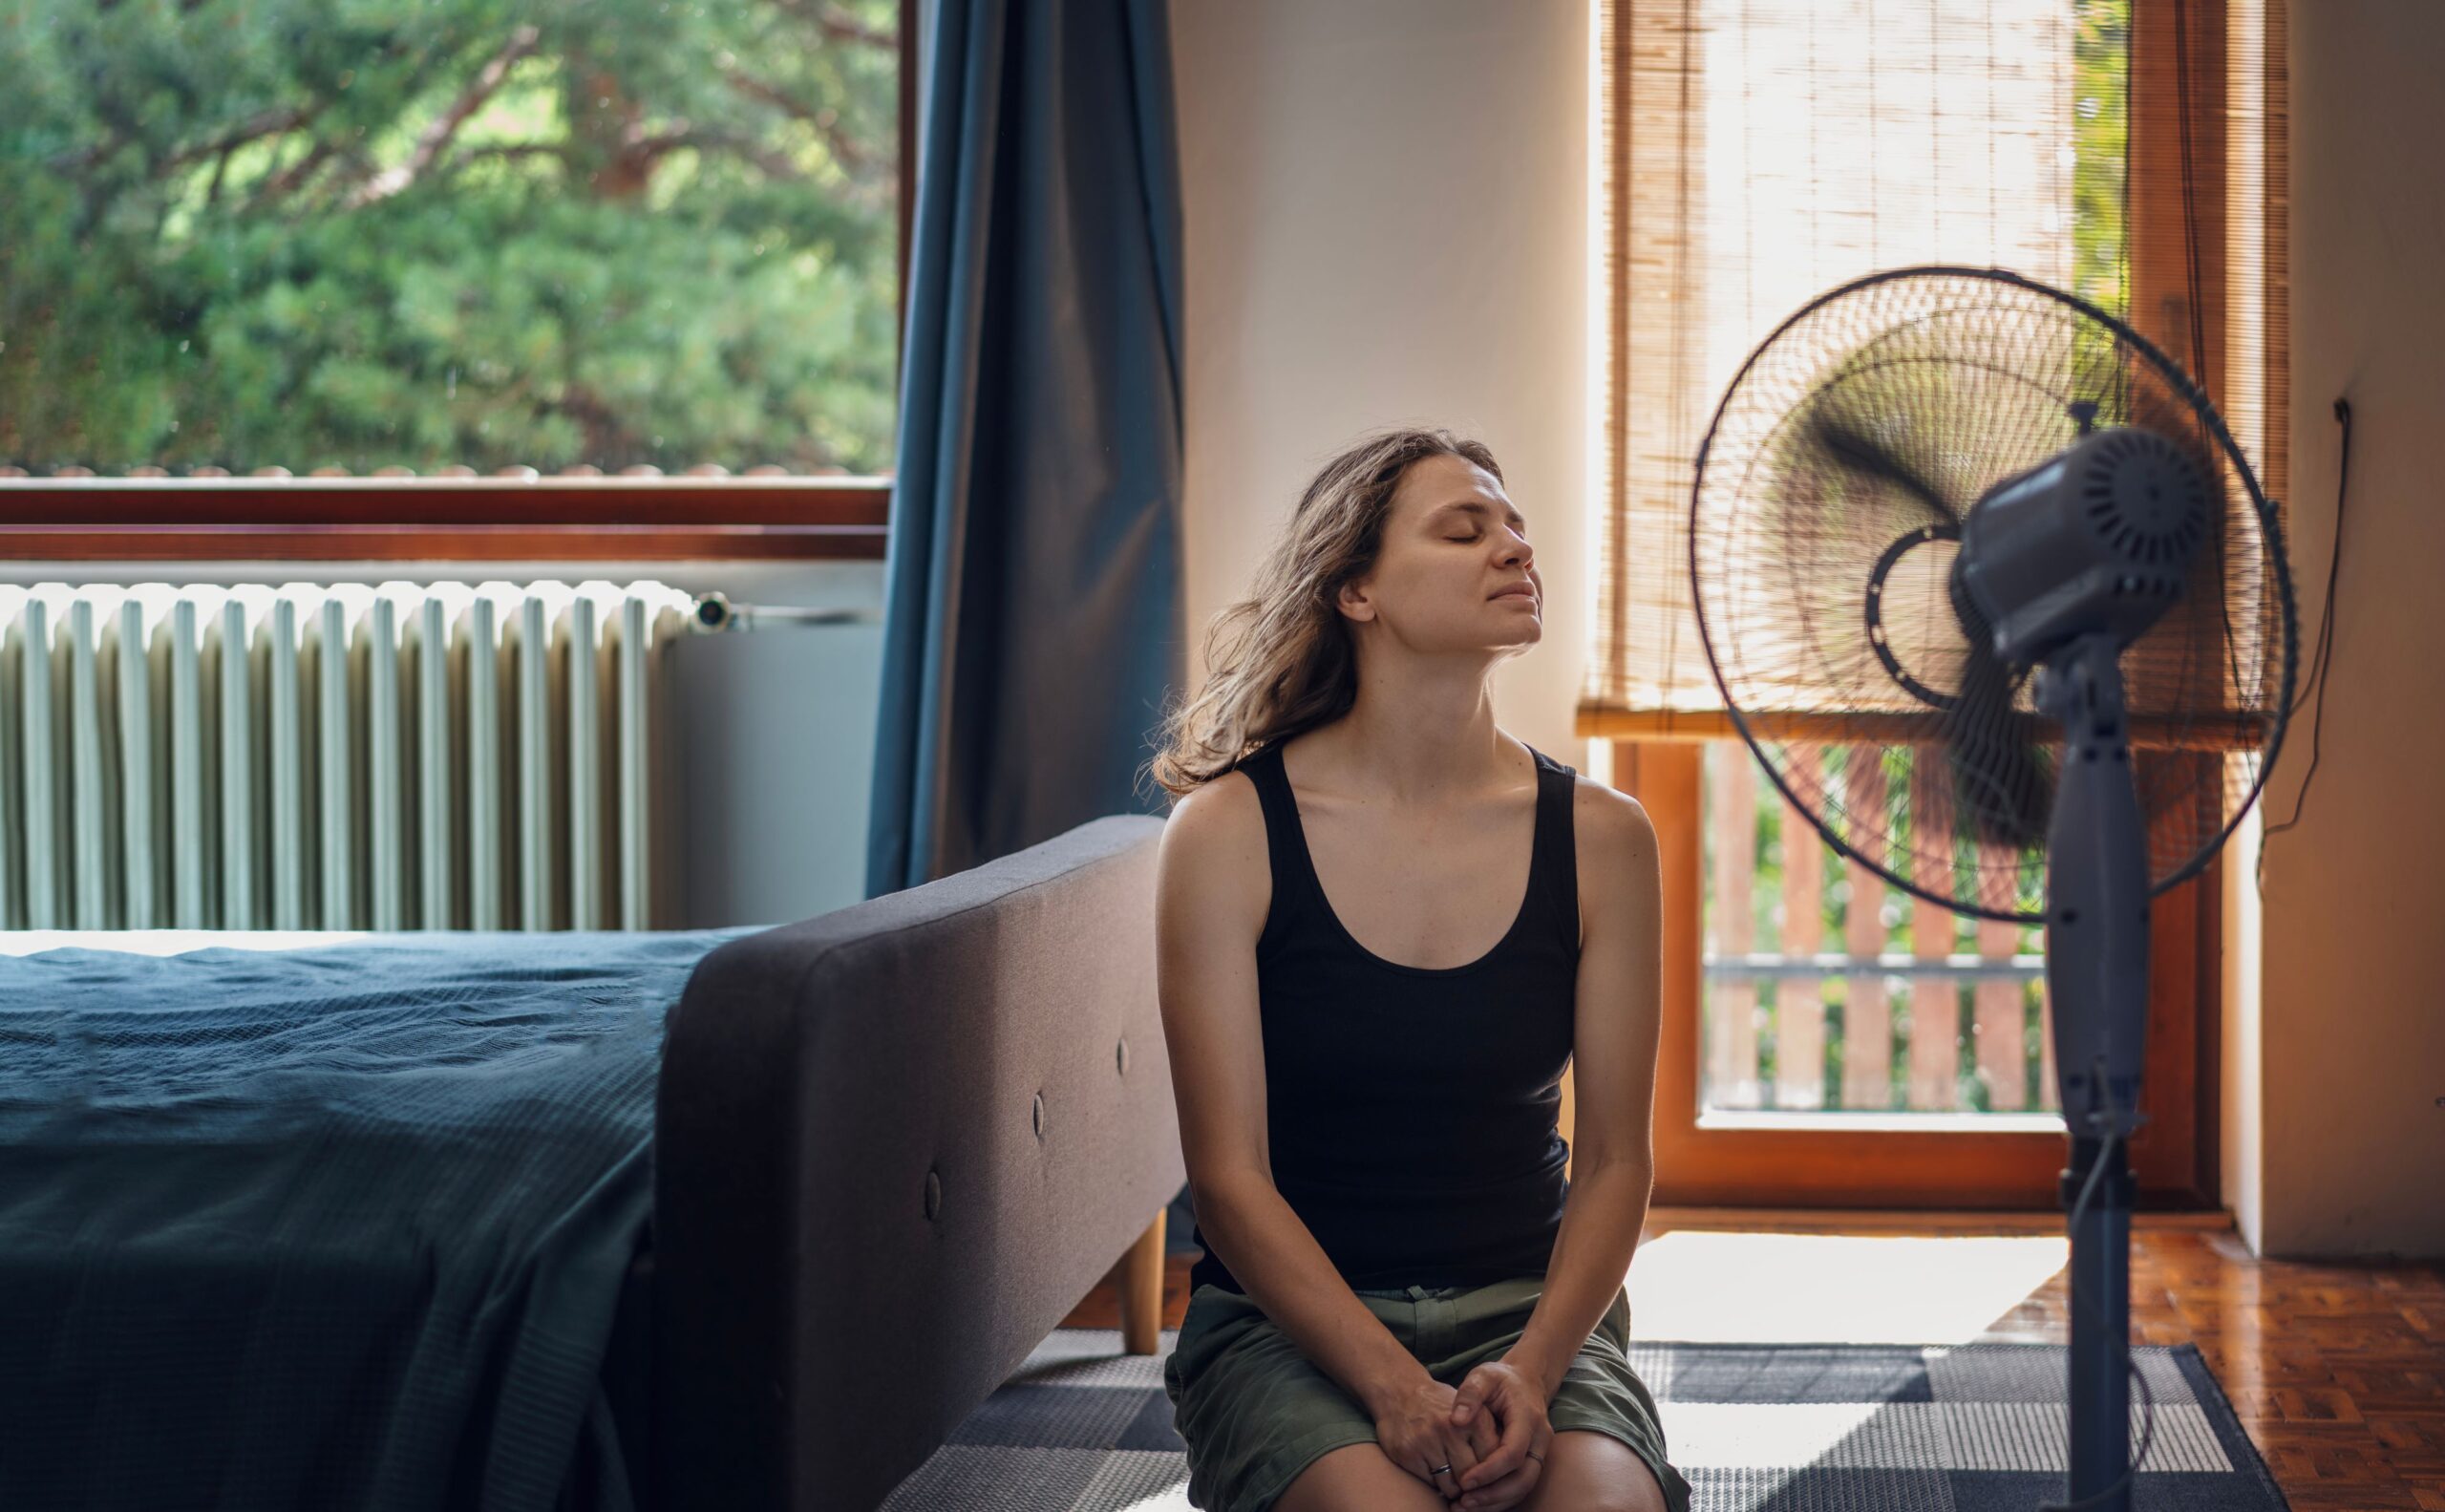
(1281, 660)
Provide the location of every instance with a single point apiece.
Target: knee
(1589, 1471)
(1358, 1478)
(1635, 1492)
(1641, 1491)
(1634, 1489)
(1638, 1492)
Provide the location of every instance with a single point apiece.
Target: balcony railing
(1828, 989)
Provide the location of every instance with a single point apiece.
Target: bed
(743, 1218)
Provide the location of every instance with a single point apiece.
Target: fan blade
(2002, 776)
(1862, 453)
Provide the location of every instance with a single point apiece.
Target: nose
(1517, 551)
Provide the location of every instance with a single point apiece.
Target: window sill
(1819, 1121)
(454, 519)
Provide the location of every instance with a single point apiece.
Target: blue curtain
(1032, 602)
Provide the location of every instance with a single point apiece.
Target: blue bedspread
(340, 1226)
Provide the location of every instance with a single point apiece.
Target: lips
(1518, 590)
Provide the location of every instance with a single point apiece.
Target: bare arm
(1616, 1027)
(1213, 886)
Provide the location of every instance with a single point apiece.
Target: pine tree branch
(651, 150)
(266, 123)
(472, 155)
(436, 137)
(835, 27)
(292, 179)
(852, 157)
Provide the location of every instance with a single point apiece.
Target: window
(297, 279)
(1826, 1038)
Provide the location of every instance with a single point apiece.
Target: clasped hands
(1491, 1431)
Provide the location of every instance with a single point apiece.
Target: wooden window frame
(1843, 1160)
(1814, 1161)
(516, 516)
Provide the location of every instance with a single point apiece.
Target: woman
(1384, 928)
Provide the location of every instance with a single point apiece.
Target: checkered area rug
(1082, 1427)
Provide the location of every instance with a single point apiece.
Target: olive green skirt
(1255, 1413)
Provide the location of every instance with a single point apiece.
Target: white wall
(1386, 208)
(2353, 1055)
(776, 729)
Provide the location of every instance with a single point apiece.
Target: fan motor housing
(2096, 540)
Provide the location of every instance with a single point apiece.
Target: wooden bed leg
(1142, 1290)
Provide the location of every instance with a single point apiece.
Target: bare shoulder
(1214, 847)
(1609, 824)
(1616, 863)
(1219, 816)
(1619, 867)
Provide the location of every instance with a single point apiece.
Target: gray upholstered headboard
(896, 1144)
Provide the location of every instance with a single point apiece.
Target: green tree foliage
(2100, 136)
(369, 233)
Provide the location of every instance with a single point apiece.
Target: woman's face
(1456, 571)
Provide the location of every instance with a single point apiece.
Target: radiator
(445, 755)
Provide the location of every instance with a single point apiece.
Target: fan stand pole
(2096, 968)
(2100, 1357)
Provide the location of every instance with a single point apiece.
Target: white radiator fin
(130, 676)
(394, 757)
(94, 873)
(289, 759)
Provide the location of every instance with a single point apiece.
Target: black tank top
(1412, 1111)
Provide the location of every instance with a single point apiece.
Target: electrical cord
(2147, 1398)
(2323, 651)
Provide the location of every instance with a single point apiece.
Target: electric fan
(1997, 602)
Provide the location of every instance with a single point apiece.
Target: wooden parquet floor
(2337, 1371)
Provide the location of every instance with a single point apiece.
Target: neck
(1422, 729)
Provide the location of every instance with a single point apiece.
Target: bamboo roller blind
(1758, 153)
